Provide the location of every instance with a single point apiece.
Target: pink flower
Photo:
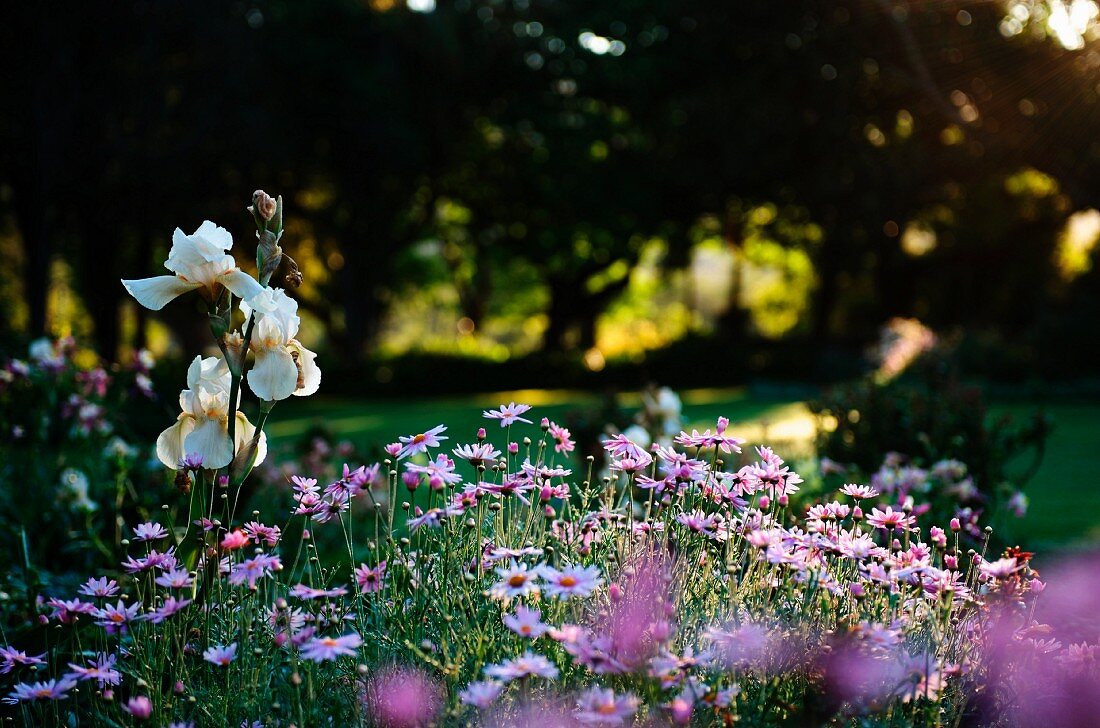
(175, 579)
(402, 699)
(621, 446)
(413, 444)
(170, 607)
(321, 649)
(526, 622)
(508, 414)
(149, 532)
(139, 706)
(477, 454)
(889, 519)
(115, 619)
(597, 706)
(859, 492)
(302, 591)
(68, 611)
(102, 670)
(220, 655)
(572, 581)
(254, 569)
(12, 657)
(101, 587)
(258, 532)
(234, 540)
(370, 580)
(47, 690)
(1001, 568)
(563, 441)
(526, 665)
(480, 694)
(516, 580)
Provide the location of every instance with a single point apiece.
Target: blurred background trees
(625, 185)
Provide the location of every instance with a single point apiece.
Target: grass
(1064, 494)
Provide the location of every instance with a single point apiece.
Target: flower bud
(955, 524)
(263, 205)
(481, 434)
(411, 480)
(615, 592)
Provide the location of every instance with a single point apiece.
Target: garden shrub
(938, 430)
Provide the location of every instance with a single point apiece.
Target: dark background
(473, 187)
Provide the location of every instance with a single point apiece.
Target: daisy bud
(513, 447)
(951, 562)
(393, 448)
(723, 423)
(178, 687)
(955, 524)
(681, 711)
(411, 480)
(280, 639)
(140, 707)
(857, 513)
(436, 483)
(545, 423)
(1036, 586)
(480, 434)
(615, 592)
(784, 500)
(549, 511)
(765, 502)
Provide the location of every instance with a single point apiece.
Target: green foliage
(71, 466)
(927, 416)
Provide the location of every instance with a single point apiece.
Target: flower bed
(487, 583)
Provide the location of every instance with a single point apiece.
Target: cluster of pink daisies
(692, 582)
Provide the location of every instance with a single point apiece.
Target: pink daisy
(370, 580)
(508, 414)
(572, 581)
(597, 706)
(480, 694)
(889, 519)
(320, 649)
(526, 622)
(526, 665)
(220, 655)
(413, 444)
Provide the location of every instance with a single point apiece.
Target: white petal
(170, 442)
(157, 291)
(310, 374)
(275, 375)
(210, 438)
(244, 434)
(241, 284)
(211, 241)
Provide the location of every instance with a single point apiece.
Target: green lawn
(1064, 494)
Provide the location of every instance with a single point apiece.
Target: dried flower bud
(263, 204)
